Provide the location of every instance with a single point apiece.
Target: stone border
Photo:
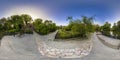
(61, 53)
(107, 43)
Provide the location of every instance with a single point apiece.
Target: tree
(1, 27)
(2, 21)
(8, 25)
(106, 29)
(38, 21)
(1, 31)
(26, 18)
(88, 22)
(77, 28)
(118, 29)
(97, 28)
(17, 22)
(44, 27)
(114, 30)
(70, 18)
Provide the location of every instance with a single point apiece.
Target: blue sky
(59, 10)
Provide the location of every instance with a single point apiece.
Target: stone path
(110, 42)
(15, 48)
(101, 52)
(29, 52)
(74, 50)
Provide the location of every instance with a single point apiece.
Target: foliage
(76, 28)
(114, 30)
(20, 24)
(106, 29)
(63, 34)
(118, 29)
(15, 24)
(97, 28)
(26, 18)
(44, 27)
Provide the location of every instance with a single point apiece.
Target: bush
(106, 29)
(76, 28)
(11, 32)
(79, 30)
(63, 34)
(16, 24)
(44, 28)
(1, 34)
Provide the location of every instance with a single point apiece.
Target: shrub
(106, 29)
(44, 28)
(63, 34)
(76, 28)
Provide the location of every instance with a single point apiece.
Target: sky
(59, 10)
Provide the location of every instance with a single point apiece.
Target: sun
(32, 11)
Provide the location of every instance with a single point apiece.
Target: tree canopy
(76, 28)
(22, 24)
(44, 27)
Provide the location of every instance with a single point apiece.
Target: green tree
(118, 29)
(26, 18)
(88, 22)
(106, 29)
(17, 22)
(70, 18)
(2, 21)
(44, 27)
(97, 28)
(77, 28)
(114, 30)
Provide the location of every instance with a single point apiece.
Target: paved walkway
(28, 50)
(110, 42)
(63, 49)
(101, 52)
(16, 48)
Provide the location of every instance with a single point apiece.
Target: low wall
(110, 42)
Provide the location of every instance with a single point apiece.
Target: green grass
(62, 34)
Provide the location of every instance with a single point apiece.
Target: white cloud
(30, 10)
(115, 17)
(98, 22)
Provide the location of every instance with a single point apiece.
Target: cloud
(30, 10)
(115, 15)
(98, 22)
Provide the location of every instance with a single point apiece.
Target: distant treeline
(76, 28)
(108, 30)
(44, 27)
(20, 24)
